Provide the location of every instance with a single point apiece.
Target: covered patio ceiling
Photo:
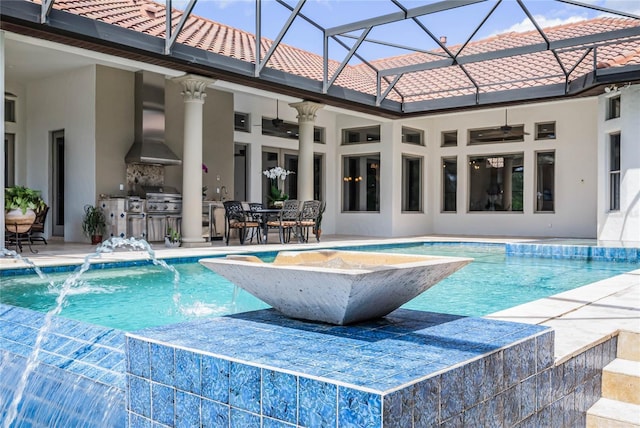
(391, 60)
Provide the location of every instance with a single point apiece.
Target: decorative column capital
(306, 110)
(194, 87)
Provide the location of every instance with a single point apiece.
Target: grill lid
(161, 192)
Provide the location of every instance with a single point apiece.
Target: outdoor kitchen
(146, 207)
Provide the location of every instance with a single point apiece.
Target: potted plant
(94, 223)
(21, 204)
(172, 239)
(318, 227)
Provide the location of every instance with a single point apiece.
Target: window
(411, 183)
(290, 130)
(242, 122)
(9, 110)
(412, 136)
(361, 183)
(369, 134)
(449, 139)
(613, 107)
(545, 177)
(546, 131)
(502, 134)
(496, 182)
(9, 160)
(449, 184)
(614, 172)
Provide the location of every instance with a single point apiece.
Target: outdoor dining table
(262, 215)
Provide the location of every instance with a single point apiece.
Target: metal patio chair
(308, 219)
(287, 220)
(236, 218)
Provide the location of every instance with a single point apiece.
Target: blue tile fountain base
(260, 369)
(411, 368)
(78, 377)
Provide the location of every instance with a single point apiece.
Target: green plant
(94, 221)
(323, 206)
(22, 198)
(173, 235)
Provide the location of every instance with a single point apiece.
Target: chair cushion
(285, 223)
(240, 225)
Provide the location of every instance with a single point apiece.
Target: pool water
(139, 297)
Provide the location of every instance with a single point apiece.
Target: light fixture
(611, 88)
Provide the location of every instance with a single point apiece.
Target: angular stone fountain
(336, 287)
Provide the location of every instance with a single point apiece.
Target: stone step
(608, 413)
(621, 381)
(629, 345)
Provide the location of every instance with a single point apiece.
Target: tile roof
(521, 71)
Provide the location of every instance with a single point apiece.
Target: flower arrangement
(277, 175)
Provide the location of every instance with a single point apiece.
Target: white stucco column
(306, 120)
(2, 153)
(194, 92)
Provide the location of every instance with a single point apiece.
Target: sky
(456, 25)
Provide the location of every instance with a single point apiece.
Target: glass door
(57, 181)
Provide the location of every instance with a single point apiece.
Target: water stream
(106, 247)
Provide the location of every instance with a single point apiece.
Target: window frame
(376, 157)
(443, 138)
(444, 182)
(548, 136)
(419, 132)
(540, 194)
(360, 130)
(472, 142)
(614, 107)
(406, 191)
(614, 172)
(246, 120)
(492, 198)
(289, 130)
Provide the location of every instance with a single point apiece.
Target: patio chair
(236, 218)
(36, 233)
(308, 219)
(254, 207)
(287, 220)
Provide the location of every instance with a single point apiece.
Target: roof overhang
(26, 18)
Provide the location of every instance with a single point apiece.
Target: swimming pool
(137, 297)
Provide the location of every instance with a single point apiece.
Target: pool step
(620, 403)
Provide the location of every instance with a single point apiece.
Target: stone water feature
(336, 287)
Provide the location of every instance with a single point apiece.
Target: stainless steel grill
(163, 209)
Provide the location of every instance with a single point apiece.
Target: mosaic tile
(451, 393)
(187, 371)
(240, 419)
(274, 423)
(244, 387)
(162, 364)
(317, 403)
(138, 357)
(136, 421)
(187, 410)
(279, 395)
(494, 370)
(398, 409)
(527, 392)
(543, 389)
(568, 376)
(511, 406)
(358, 409)
(474, 382)
(214, 415)
(139, 396)
(544, 350)
(456, 421)
(163, 402)
(427, 402)
(519, 362)
(474, 416)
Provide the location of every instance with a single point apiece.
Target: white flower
(277, 172)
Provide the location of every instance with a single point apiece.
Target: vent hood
(149, 145)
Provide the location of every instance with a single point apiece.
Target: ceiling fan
(277, 122)
(511, 131)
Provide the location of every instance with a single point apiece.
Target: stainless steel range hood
(149, 145)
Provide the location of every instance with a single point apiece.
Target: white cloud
(543, 22)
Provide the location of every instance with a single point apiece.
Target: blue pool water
(139, 297)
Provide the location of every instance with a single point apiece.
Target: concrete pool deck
(581, 317)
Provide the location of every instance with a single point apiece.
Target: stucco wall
(575, 171)
(622, 225)
(64, 102)
(114, 127)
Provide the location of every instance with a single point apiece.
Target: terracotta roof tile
(530, 70)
